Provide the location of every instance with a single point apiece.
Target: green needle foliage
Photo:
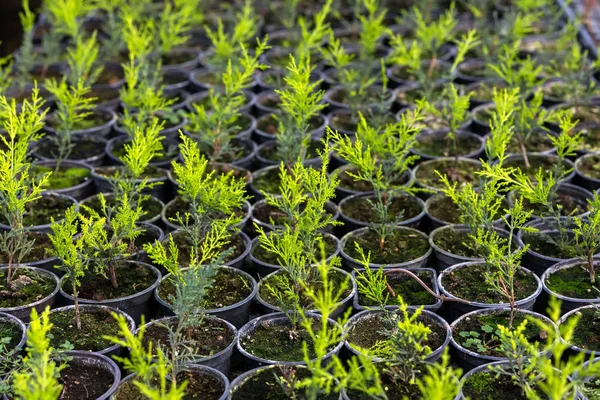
(442, 381)
(372, 29)
(111, 42)
(502, 260)
(215, 126)
(380, 159)
(312, 35)
(82, 61)
(74, 107)
(300, 101)
(18, 190)
(212, 198)
(150, 365)
(587, 236)
(25, 55)
(227, 45)
(522, 73)
(69, 249)
(173, 26)
(37, 379)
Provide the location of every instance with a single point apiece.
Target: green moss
(409, 289)
(94, 326)
(43, 210)
(489, 386)
(587, 331)
(11, 331)
(463, 173)
(28, 287)
(456, 242)
(574, 282)
(64, 178)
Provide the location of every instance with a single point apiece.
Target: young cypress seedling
(380, 159)
(300, 102)
(215, 126)
(150, 366)
(37, 377)
(587, 236)
(17, 188)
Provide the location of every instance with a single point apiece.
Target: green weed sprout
(216, 125)
(380, 159)
(17, 188)
(37, 379)
(69, 249)
(300, 101)
(150, 365)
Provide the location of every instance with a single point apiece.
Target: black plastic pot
(456, 309)
(150, 219)
(267, 103)
(334, 92)
(102, 131)
(441, 135)
(196, 368)
(117, 70)
(343, 305)
(24, 312)
(432, 285)
(190, 64)
(464, 75)
(443, 259)
(103, 184)
(276, 319)
(351, 224)
(568, 303)
(201, 97)
(113, 350)
(477, 100)
(434, 222)
(533, 260)
(171, 132)
(262, 268)
(350, 263)
(581, 396)
(241, 135)
(578, 194)
(428, 65)
(581, 178)
(270, 146)
(434, 318)
(237, 314)
(5, 317)
(478, 370)
(173, 226)
(78, 192)
(120, 141)
(95, 160)
(469, 359)
(330, 207)
(175, 80)
(100, 361)
(420, 166)
(576, 349)
(262, 136)
(47, 263)
(221, 361)
(343, 192)
(135, 305)
(45, 227)
(335, 118)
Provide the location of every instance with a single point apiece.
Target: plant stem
(424, 285)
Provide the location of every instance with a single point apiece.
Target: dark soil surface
(27, 287)
(84, 381)
(94, 326)
(401, 208)
(401, 246)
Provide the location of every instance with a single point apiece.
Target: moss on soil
(28, 287)
(587, 332)
(360, 209)
(411, 291)
(575, 282)
(64, 178)
(94, 326)
(463, 173)
(401, 246)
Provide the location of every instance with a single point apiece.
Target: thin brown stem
(427, 288)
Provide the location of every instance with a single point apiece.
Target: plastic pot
(469, 359)
(397, 271)
(263, 268)
(79, 191)
(201, 97)
(342, 192)
(264, 149)
(237, 314)
(568, 303)
(581, 178)
(45, 228)
(576, 349)
(120, 141)
(5, 317)
(576, 193)
(150, 219)
(24, 312)
(175, 80)
(102, 131)
(135, 305)
(350, 263)
(113, 350)
(443, 259)
(330, 207)
(221, 360)
(104, 183)
(351, 224)
(191, 63)
(275, 319)
(95, 160)
(267, 103)
(425, 314)
(441, 160)
(441, 135)
(262, 136)
(456, 309)
(518, 159)
(86, 359)
(48, 263)
(343, 305)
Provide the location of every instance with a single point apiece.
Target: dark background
(10, 26)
